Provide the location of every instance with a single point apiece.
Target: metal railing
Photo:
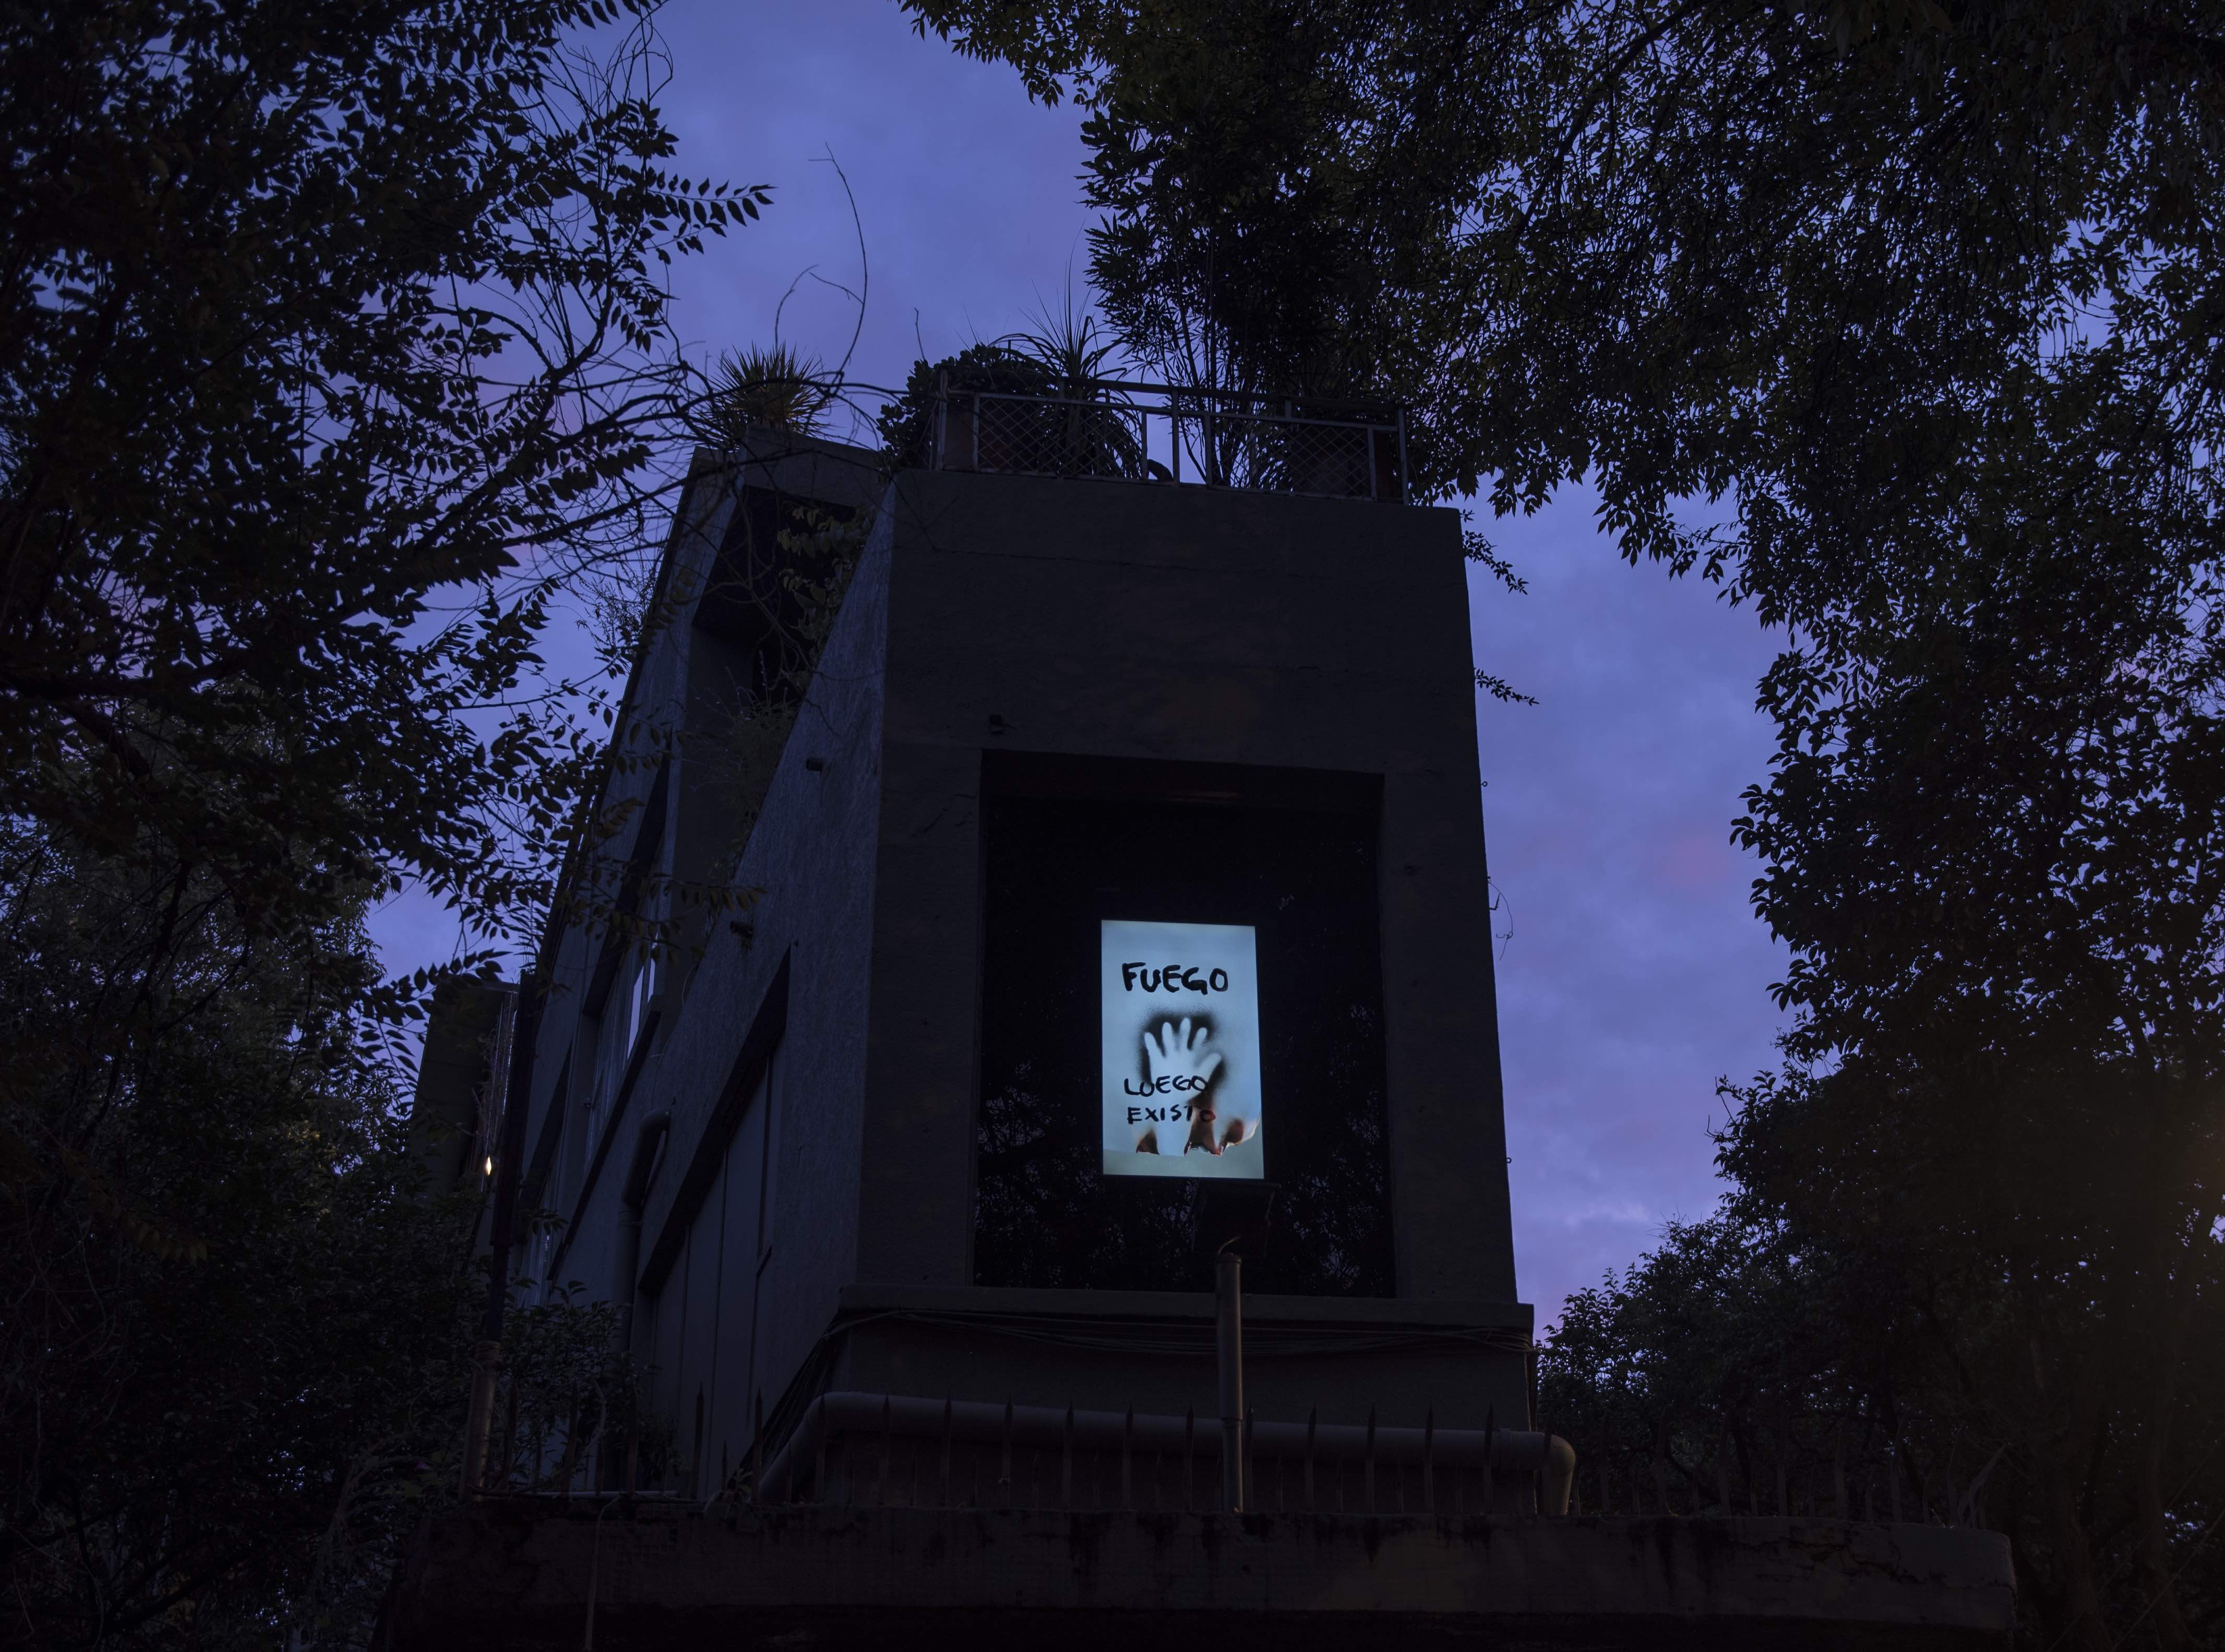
(1161, 433)
(1697, 1474)
(892, 1449)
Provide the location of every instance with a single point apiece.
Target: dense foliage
(1993, 840)
(223, 1307)
(313, 309)
(1918, 306)
(1718, 1375)
(333, 336)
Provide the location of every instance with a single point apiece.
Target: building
(1099, 887)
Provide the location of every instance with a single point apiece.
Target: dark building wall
(1205, 626)
(807, 892)
(459, 1074)
(808, 867)
(1088, 622)
(806, 931)
(500, 1575)
(570, 1142)
(1345, 1358)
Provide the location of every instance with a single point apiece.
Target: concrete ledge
(1371, 1312)
(520, 1574)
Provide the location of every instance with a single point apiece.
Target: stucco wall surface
(1192, 625)
(809, 860)
(498, 1576)
(1076, 617)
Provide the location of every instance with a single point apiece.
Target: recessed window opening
(1243, 965)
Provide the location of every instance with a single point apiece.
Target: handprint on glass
(1178, 1106)
(1178, 1068)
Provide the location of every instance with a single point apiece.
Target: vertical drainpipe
(525, 1037)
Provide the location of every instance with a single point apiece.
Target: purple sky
(1633, 974)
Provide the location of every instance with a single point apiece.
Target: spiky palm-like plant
(765, 388)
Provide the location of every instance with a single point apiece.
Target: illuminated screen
(1178, 1007)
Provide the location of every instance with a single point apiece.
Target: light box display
(1179, 1007)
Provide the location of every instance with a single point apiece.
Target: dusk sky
(1631, 971)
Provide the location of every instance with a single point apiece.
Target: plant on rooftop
(769, 388)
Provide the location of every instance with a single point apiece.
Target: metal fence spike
(1189, 1458)
(1127, 1458)
(1428, 1460)
(1367, 1487)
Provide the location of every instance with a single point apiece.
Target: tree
(1717, 1375)
(222, 1291)
(1923, 303)
(1726, 249)
(236, 1327)
(313, 310)
(1709, 1377)
(1992, 838)
(333, 339)
(1224, 251)
(1273, 200)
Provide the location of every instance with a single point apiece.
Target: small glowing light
(489, 1164)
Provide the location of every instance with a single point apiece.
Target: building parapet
(627, 1572)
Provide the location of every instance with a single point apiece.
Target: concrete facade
(768, 1137)
(791, 1100)
(513, 1576)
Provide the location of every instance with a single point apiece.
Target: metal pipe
(1250, 1474)
(1490, 1459)
(1559, 1474)
(1228, 1339)
(1189, 1454)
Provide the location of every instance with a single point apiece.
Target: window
(1303, 883)
(639, 996)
